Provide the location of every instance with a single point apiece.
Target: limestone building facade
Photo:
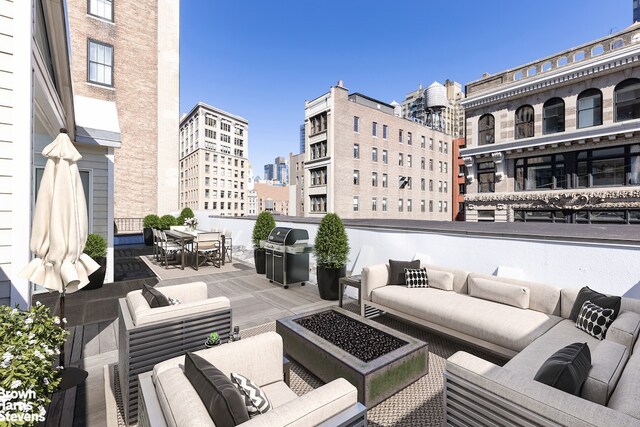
(362, 160)
(214, 161)
(558, 139)
(127, 52)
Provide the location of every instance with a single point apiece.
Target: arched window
(589, 108)
(553, 116)
(627, 97)
(524, 122)
(486, 130)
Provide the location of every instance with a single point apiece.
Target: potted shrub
(150, 221)
(263, 226)
(96, 248)
(331, 250)
(166, 221)
(31, 342)
(184, 214)
(212, 339)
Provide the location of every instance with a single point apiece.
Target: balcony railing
(128, 225)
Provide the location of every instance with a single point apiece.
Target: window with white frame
(101, 8)
(356, 203)
(100, 63)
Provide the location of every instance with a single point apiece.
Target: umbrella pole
(71, 376)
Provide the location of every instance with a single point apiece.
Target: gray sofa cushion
(608, 360)
(396, 270)
(499, 324)
(504, 293)
(529, 360)
(566, 369)
(587, 294)
(625, 329)
(626, 396)
(221, 398)
(154, 297)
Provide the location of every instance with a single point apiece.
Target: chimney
(340, 83)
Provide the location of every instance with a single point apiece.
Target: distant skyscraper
(636, 10)
(281, 170)
(302, 128)
(269, 172)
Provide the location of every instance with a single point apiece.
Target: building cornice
(588, 68)
(622, 198)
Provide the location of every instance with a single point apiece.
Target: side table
(353, 281)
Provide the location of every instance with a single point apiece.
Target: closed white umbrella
(59, 233)
(60, 224)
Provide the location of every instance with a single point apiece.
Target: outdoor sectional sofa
(168, 398)
(484, 310)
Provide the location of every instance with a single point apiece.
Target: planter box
(376, 380)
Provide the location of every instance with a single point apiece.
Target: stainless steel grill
(287, 253)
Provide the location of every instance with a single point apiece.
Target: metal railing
(128, 225)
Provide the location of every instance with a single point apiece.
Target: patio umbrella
(60, 225)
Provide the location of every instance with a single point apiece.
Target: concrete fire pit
(402, 361)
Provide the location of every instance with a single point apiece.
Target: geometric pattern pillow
(594, 319)
(173, 301)
(254, 398)
(416, 277)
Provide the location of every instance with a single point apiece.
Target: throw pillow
(173, 301)
(221, 398)
(416, 277)
(594, 320)
(602, 300)
(440, 279)
(396, 270)
(154, 297)
(567, 368)
(255, 399)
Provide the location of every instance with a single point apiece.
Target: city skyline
(269, 59)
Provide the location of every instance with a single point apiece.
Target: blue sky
(263, 59)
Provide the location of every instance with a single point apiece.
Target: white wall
(15, 150)
(610, 268)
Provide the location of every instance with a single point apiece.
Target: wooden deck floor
(92, 315)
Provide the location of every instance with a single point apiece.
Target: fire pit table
(334, 343)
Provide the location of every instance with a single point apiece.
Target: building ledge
(586, 233)
(608, 133)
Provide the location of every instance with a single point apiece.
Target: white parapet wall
(608, 266)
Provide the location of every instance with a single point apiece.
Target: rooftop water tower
(435, 100)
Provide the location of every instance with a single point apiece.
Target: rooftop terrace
(570, 254)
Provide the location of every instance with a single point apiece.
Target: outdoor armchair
(148, 335)
(167, 397)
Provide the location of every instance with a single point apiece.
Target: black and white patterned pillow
(173, 301)
(595, 320)
(416, 277)
(255, 399)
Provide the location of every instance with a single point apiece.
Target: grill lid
(287, 236)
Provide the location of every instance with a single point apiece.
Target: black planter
(328, 278)
(260, 259)
(147, 232)
(96, 279)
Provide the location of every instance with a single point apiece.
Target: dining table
(185, 237)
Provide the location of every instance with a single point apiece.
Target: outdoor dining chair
(167, 247)
(208, 246)
(228, 244)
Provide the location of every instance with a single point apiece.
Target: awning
(96, 121)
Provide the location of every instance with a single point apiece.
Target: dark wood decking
(92, 315)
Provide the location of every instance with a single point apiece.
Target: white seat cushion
(278, 393)
(499, 324)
